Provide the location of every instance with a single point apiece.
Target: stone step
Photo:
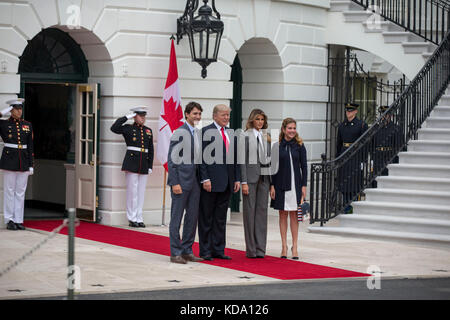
(415, 157)
(433, 134)
(395, 36)
(382, 234)
(401, 210)
(376, 26)
(400, 224)
(429, 146)
(437, 123)
(409, 196)
(444, 101)
(356, 16)
(413, 183)
(343, 5)
(426, 56)
(441, 111)
(419, 170)
(416, 47)
(399, 37)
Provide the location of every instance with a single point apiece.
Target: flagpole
(169, 119)
(163, 223)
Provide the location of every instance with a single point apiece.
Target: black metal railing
(428, 19)
(335, 184)
(349, 81)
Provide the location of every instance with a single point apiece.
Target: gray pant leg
(190, 219)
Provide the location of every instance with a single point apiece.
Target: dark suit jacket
(222, 175)
(182, 170)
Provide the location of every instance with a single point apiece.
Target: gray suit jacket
(252, 169)
(181, 159)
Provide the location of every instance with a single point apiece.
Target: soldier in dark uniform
(386, 141)
(16, 163)
(348, 132)
(138, 161)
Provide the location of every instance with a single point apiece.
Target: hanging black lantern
(204, 32)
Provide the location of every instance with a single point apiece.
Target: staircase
(413, 201)
(405, 50)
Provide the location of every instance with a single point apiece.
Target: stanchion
(71, 274)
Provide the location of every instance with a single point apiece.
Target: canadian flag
(171, 114)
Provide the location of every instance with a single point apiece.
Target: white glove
(31, 171)
(6, 110)
(130, 115)
(150, 171)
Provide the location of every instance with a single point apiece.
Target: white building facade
(283, 50)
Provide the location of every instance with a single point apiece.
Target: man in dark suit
(138, 161)
(220, 177)
(185, 185)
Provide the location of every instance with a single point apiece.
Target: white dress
(290, 197)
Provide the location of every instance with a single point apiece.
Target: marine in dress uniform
(387, 139)
(348, 132)
(138, 161)
(16, 162)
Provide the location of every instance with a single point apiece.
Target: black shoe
(11, 225)
(133, 224)
(222, 256)
(141, 225)
(283, 257)
(20, 226)
(207, 258)
(260, 257)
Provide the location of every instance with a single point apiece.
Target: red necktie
(224, 139)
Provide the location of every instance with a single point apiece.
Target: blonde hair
(221, 107)
(285, 123)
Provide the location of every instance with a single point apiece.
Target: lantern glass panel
(212, 45)
(200, 42)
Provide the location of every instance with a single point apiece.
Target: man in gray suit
(185, 185)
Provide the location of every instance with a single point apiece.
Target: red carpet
(274, 267)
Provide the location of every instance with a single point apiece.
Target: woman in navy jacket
(288, 188)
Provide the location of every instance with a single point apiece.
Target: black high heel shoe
(294, 257)
(283, 257)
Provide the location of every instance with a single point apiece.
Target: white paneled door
(86, 155)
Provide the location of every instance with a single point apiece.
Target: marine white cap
(13, 102)
(140, 109)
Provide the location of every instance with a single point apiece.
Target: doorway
(51, 67)
(50, 107)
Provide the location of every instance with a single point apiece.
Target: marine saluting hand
(5, 111)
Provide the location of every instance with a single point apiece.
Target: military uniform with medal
(16, 162)
(138, 160)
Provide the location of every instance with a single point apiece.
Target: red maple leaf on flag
(172, 115)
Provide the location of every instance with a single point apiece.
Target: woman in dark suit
(288, 187)
(255, 184)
